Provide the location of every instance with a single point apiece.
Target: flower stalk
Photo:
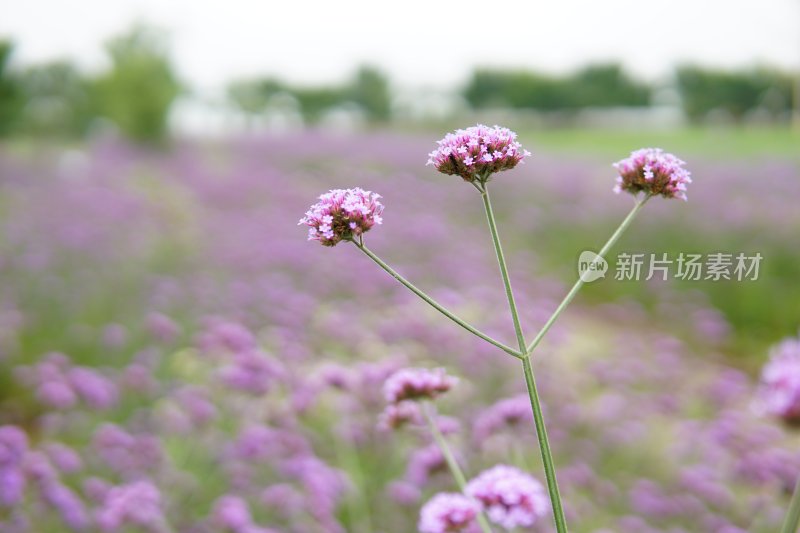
(501, 261)
(433, 303)
(792, 522)
(452, 464)
(475, 154)
(538, 416)
(579, 283)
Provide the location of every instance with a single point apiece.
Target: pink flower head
(135, 504)
(251, 371)
(779, 391)
(231, 513)
(477, 152)
(652, 171)
(416, 384)
(504, 414)
(448, 512)
(510, 497)
(399, 414)
(342, 214)
(425, 463)
(13, 445)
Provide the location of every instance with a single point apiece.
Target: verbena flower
(510, 497)
(400, 414)
(135, 504)
(59, 384)
(231, 513)
(417, 384)
(504, 414)
(13, 447)
(221, 335)
(425, 463)
(127, 453)
(96, 390)
(477, 152)
(342, 214)
(63, 457)
(67, 504)
(779, 391)
(448, 512)
(12, 486)
(250, 371)
(652, 171)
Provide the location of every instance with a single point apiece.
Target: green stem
(578, 284)
(501, 261)
(458, 474)
(544, 447)
(433, 303)
(790, 525)
(541, 432)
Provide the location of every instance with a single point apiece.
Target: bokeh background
(172, 350)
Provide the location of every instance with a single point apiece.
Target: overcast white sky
(418, 42)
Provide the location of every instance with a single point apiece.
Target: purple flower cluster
(417, 384)
(508, 412)
(447, 513)
(342, 214)
(510, 497)
(196, 406)
(127, 453)
(54, 493)
(225, 336)
(60, 384)
(779, 391)
(652, 171)
(405, 388)
(67, 503)
(64, 458)
(477, 152)
(399, 414)
(232, 515)
(136, 504)
(13, 446)
(250, 371)
(425, 463)
(614, 407)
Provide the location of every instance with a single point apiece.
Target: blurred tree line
(703, 92)
(368, 91)
(138, 89)
(57, 100)
(594, 86)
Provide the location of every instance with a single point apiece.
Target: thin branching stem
(792, 522)
(541, 433)
(433, 303)
(450, 459)
(578, 284)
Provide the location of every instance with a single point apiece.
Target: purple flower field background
(175, 356)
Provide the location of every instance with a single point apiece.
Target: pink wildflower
(477, 152)
(652, 171)
(779, 391)
(400, 414)
(342, 214)
(510, 497)
(448, 512)
(417, 383)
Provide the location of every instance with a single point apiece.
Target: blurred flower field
(175, 356)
